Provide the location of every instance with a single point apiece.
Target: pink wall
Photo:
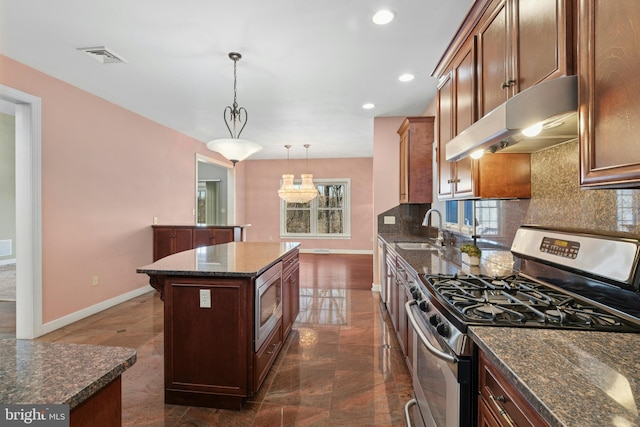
(259, 205)
(106, 172)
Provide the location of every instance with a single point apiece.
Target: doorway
(215, 195)
(28, 224)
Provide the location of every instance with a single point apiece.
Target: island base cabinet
(208, 349)
(266, 355)
(103, 409)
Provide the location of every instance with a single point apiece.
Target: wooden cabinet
(456, 107)
(500, 404)
(208, 350)
(416, 160)
(392, 285)
(211, 236)
(503, 47)
(290, 291)
(609, 90)
(522, 43)
(169, 239)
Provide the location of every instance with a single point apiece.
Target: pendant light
(234, 148)
(307, 189)
(292, 194)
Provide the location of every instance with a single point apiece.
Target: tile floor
(340, 366)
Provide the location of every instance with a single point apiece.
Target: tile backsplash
(558, 201)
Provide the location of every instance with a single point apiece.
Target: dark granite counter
(572, 378)
(33, 372)
(235, 259)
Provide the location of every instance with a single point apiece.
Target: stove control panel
(560, 247)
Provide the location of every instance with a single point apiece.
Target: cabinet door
(542, 36)
(286, 304)
(183, 239)
(295, 294)
(162, 242)
(493, 57)
(609, 92)
(445, 133)
(223, 235)
(202, 237)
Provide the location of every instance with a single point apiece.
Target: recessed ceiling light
(368, 106)
(383, 17)
(407, 77)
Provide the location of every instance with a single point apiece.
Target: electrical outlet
(94, 280)
(389, 219)
(155, 220)
(205, 298)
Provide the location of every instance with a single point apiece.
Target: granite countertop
(235, 259)
(34, 372)
(572, 378)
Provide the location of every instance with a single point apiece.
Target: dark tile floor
(340, 366)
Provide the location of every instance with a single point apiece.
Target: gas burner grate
(517, 301)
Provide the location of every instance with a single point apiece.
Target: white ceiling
(307, 66)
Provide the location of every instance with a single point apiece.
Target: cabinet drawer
(503, 401)
(266, 355)
(290, 262)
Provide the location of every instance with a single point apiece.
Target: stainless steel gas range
(564, 280)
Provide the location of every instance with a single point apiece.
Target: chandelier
(302, 194)
(234, 148)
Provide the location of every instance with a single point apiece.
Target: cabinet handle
(508, 83)
(273, 348)
(501, 411)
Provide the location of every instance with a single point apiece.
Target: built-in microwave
(268, 303)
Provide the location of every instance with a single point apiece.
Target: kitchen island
(85, 377)
(228, 309)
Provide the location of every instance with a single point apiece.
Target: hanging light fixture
(292, 194)
(234, 148)
(307, 189)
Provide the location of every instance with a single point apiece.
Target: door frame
(28, 119)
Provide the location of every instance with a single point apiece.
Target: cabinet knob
(508, 83)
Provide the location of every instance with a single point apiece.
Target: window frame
(313, 234)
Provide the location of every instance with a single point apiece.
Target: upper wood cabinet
(609, 91)
(493, 176)
(416, 160)
(522, 43)
(456, 107)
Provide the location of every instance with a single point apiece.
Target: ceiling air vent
(102, 54)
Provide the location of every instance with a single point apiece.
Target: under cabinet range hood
(551, 105)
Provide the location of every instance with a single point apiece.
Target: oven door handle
(414, 323)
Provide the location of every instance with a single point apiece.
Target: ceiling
(307, 66)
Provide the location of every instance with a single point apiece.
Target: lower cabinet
(170, 239)
(290, 291)
(500, 404)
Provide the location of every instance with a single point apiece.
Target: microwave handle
(439, 354)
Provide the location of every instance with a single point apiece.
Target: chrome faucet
(425, 223)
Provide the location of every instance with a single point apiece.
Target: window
(326, 216)
(459, 216)
(487, 218)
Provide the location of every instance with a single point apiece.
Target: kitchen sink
(416, 246)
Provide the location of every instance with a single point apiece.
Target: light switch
(205, 298)
(389, 219)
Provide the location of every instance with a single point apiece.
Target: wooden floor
(341, 364)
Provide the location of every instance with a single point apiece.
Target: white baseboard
(97, 308)
(375, 287)
(337, 251)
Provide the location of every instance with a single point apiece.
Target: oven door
(268, 304)
(438, 391)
